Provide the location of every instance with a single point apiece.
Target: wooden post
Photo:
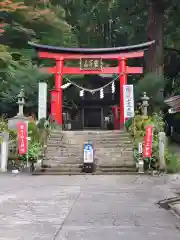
(122, 81)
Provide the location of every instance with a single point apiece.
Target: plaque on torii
(91, 64)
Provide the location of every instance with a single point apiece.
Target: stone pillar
(162, 142)
(4, 151)
(145, 104)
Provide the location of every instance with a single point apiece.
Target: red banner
(22, 138)
(147, 151)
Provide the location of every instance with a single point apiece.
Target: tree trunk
(155, 31)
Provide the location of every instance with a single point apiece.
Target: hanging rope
(91, 90)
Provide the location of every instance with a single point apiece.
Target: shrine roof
(123, 49)
(173, 101)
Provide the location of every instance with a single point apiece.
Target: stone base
(88, 167)
(12, 122)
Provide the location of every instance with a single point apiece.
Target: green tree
(35, 22)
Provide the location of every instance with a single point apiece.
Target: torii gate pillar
(59, 97)
(122, 82)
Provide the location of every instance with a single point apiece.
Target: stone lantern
(12, 122)
(145, 104)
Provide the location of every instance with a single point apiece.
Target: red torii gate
(59, 55)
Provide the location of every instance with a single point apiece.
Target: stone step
(115, 154)
(49, 172)
(113, 163)
(85, 138)
(60, 148)
(122, 162)
(118, 160)
(106, 140)
(107, 169)
(63, 155)
(111, 170)
(103, 140)
(56, 163)
(108, 149)
(97, 160)
(113, 160)
(64, 145)
(108, 165)
(89, 132)
(61, 169)
(37, 173)
(118, 154)
(61, 160)
(112, 149)
(67, 165)
(117, 166)
(96, 145)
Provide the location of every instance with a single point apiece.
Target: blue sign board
(88, 147)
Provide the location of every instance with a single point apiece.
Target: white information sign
(88, 153)
(128, 101)
(140, 148)
(42, 100)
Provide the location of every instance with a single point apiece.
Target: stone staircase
(64, 153)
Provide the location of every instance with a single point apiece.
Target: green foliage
(172, 161)
(37, 132)
(139, 124)
(153, 86)
(37, 21)
(137, 129)
(4, 128)
(38, 137)
(74, 23)
(34, 151)
(33, 132)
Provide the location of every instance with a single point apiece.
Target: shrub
(137, 129)
(34, 151)
(33, 132)
(41, 124)
(4, 128)
(172, 162)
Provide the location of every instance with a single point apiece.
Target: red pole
(122, 81)
(53, 104)
(59, 97)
